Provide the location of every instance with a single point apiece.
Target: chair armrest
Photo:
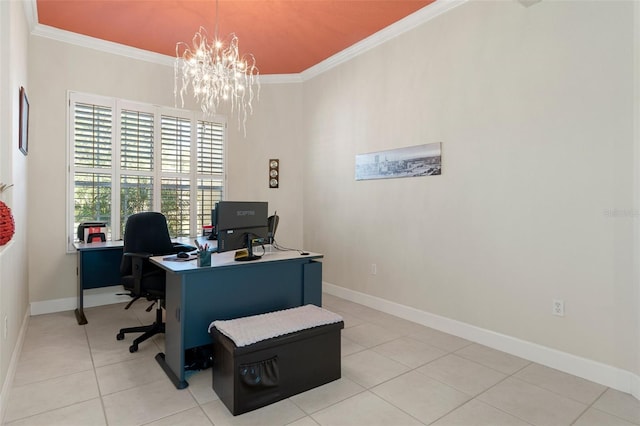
(140, 255)
(137, 268)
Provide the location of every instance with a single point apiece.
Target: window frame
(116, 171)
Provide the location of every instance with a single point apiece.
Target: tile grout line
(95, 375)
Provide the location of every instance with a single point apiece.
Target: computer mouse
(182, 255)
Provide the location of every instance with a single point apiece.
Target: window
(126, 158)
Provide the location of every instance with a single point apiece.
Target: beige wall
(274, 131)
(535, 110)
(57, 67)
(13, 170)
(636, 191)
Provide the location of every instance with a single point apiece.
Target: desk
(195, 297)
(99, 266)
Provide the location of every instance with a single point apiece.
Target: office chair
(145, 235)
(272, 226)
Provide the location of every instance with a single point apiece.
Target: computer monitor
(214, 234)
(238, 223)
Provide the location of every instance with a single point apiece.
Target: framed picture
(23, 142)
(412, 161)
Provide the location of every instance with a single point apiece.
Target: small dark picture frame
(23, 142)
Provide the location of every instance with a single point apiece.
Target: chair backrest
(145, 232)
(272, 226)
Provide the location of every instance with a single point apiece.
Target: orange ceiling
(285, 36)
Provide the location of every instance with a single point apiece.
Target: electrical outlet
(374, 269)
(558, 307)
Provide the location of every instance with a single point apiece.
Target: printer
(90, 232)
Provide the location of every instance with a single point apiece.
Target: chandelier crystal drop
(217, 74)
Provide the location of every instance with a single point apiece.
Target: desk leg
(172, 360)
(82, 320)
(80, 309)
(179, 384)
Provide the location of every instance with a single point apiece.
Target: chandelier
(217, 74)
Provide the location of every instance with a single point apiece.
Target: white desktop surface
(79, 245)
(227, 259)
(97, 245)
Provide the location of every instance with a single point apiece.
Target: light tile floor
(394, 372)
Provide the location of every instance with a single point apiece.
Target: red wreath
(7, 225)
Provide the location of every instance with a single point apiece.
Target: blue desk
(195, 297)
(98, 266)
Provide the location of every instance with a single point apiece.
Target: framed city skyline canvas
(412, 161)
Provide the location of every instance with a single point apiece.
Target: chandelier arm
(217, 74)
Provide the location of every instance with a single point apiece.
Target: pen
(198, 244)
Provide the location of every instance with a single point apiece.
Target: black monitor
(238, 223)
(214, 234)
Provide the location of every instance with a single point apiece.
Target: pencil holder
(204, 258)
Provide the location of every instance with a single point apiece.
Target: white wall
(636, 296)
(534, 107)
(13, 170)
(274, 131)
(57, 67)
(535, 110)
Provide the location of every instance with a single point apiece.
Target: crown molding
(31, 13)
(431, 11)
(280, 78)
(101, 45)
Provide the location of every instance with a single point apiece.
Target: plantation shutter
(210, 169)
(92, 136)
(136, 163)
(92, 159)
(136, 140)
(126, 157)
(175, 163)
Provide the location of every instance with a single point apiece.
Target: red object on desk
(207, 230)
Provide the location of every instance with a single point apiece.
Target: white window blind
(210, 151)
(136, 140)
(92, 157)
(92, 127)
(176, 144)
(126, 157)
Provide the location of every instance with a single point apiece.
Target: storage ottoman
(264, 358)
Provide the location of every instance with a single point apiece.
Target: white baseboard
(93, 297)
(635, 386)
(13, 366)
(613, 377)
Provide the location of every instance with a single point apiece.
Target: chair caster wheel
(120, 336)
(133, 348)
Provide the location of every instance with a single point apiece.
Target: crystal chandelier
(217, 74)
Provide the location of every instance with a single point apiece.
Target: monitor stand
(250, 256)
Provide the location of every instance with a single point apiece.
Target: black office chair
(145, 235)
(272, 226)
